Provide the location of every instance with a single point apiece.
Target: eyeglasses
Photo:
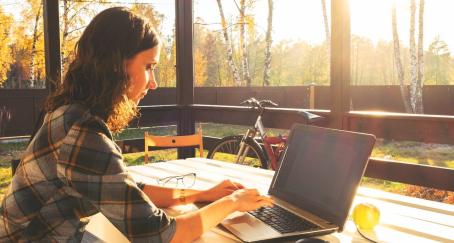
(186, 180)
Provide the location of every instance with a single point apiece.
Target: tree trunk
(413, 59)
(228, 46)
(267, 70)
(420, 83)
(398, 62)
(327, 33)
(33, 51)
(246, 75)
(65, 30)
(325, 19)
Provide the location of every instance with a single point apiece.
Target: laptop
(313, 188)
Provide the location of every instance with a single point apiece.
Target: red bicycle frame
(274, 146)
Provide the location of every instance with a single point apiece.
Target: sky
(303, 19)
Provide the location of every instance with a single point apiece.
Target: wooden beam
(403, 127)
(185, 72)
(413, 174)
(340, 62)
(52, 43)
(399, 127)
(156, 116)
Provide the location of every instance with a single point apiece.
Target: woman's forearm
(164, 197)
(192, 225)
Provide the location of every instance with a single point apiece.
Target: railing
(390, 126)
(430, 129)
(24, 104)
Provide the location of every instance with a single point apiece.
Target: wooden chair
(173, 142)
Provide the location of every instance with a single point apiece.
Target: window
(401, 62)
(389, 57)
(76, 15)
(22, 63)
(235, 46)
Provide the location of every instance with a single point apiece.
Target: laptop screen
(321, 170)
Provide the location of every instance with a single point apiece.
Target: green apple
(366, 216)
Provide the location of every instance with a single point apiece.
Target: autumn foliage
(430, 194)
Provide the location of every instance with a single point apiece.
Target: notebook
(313, 188)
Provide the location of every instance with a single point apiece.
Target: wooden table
(403, 219)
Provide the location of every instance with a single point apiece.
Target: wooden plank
(240, 115)
(400, 127)
(404, 127)
(413, 174)
(156, 116)
(160, 96)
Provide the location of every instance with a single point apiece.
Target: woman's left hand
(224, 188)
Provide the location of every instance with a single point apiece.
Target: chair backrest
(173, 142)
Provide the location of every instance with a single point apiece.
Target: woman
(72, 168)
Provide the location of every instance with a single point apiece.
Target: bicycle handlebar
(265, 103)
(259, 103)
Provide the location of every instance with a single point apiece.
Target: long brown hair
(97, 76)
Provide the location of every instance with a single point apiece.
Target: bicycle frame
(268, 142)
(274, 153)
(247, 147)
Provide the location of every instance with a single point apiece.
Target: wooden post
(184, 72)
(312, 96)
(340, 63)
(52, 43)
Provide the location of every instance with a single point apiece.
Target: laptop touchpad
(248, 227)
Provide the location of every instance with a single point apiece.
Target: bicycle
(246, 149)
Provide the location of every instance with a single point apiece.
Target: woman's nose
(152, 84)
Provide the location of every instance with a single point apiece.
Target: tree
(28, 69)
(6, 58)
(244, 52)
(420, 80)
(416, 60)
(398, 62)
(228, 46)
(165, 73)
(27, 49)
(200, 64)
(413, 58)
(209, 44)
(35, 37)
(325, 21)
(148, 12)
(268, 40)
(438, 63)
(384, 63)
(73, 20)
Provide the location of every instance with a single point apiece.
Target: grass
(440, 155)
(154, 156)
(413, 152)
(8, 152)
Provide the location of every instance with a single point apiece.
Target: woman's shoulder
(69, 113)
(77, 115)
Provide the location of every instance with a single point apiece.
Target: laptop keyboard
(282, 220)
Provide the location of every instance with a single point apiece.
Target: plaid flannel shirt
(73, 169)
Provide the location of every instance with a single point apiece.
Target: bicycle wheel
(227, 149)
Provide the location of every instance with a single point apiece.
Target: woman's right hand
(250, 199)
